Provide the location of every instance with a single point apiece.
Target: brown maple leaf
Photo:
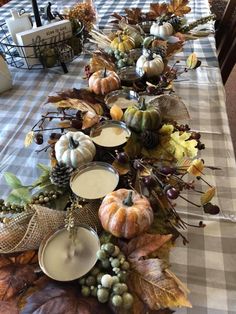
(179, 7)
(17, 272)
(156, 10)
(146, 244)
(134, 15)
(48, 296)
(154, 286)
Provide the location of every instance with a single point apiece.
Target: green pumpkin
(142, 117)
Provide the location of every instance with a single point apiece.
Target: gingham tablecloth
(208, 263)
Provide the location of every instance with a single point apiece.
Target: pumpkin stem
(72, 143)
(149, 55)
(105, 72)
(128, 200)
(142, 105)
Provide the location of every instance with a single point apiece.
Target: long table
(207, 264)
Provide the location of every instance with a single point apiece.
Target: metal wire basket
(46, 55)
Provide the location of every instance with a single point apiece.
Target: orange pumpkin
(104, 81)
(125, 213)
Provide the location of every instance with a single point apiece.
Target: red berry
(172, 193)
(122, 158)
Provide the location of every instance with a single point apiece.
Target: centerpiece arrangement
(104, 215)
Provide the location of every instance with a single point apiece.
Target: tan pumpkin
(103, 82)
(125, 213)
(123, 43)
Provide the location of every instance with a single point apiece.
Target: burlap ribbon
(27, 230)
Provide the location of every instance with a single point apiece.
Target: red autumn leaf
(156, 10)
(48, 296)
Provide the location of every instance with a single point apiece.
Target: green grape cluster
(122, 58)
(106, 280)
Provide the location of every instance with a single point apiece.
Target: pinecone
(60, 175)
(160, 50)
(149, 139)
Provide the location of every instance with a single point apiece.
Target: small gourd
(164, 30)
(142, 117)
(151, 65)
(103, 82)
(74, 149)
(125, 213)
(123, 43)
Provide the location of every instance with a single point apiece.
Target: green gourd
(142, 117)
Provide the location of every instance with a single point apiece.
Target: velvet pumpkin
(125, 213)
(103, 82)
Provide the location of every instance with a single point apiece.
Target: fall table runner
(207, 263)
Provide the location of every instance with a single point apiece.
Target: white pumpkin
(74, 149)
(163, 31)
(151, 66)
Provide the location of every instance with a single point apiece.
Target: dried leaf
(16, 273)
(156, 10)
(48, 296)
(77, 104)
(134, 15)
(121, 168)
(64, 124)
(171, 107)
(174, 48)
(8, 307)
(156, 287)
(146, 244)
(29, 138)
(133, 146)
(53, 162)
(208, 195)
(98, 62)
(89, 120)
(191, 61)
(179, 7)
(196, 167)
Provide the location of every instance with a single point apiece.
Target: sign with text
(39, 38)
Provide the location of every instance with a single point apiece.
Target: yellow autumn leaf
(192, 61)
(179, 7)
(196, 167)
(166, 129)
(182, 147)
(116, 113)
(29, 138)
(208, 195)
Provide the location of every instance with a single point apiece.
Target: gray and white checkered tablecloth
(208, 263)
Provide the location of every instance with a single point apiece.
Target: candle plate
(94, 180)
(65, 259)
(122, 98)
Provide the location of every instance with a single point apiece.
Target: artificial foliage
(156, 166)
